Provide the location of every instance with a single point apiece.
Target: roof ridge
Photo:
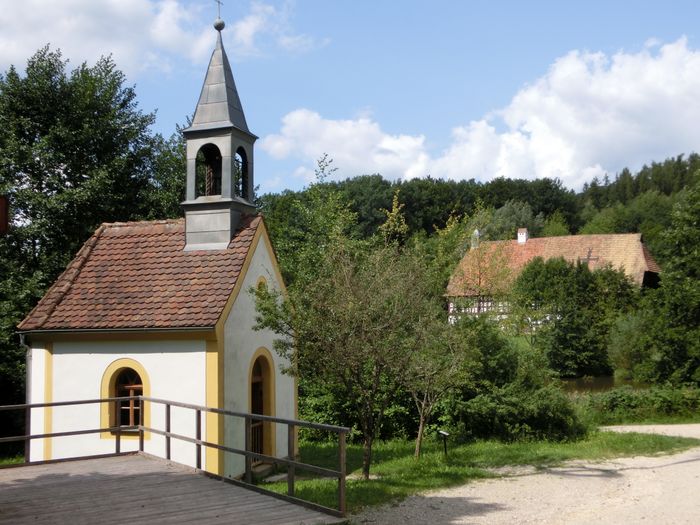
(577, 235)
(58, 290)
(127, 224)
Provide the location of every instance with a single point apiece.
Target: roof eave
(178, 329)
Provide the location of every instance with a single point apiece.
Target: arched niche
(261, 380)
(241, 173)
(208, 171)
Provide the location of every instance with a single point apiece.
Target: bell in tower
(219, 159)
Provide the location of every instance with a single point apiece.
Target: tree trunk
(366, 456)
(419, 437)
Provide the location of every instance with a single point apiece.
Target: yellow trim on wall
(215, 373)
(238, 286)
(215, 383)
(260, 233)
(214, 423)
(269, 397)
(107, 386)
(273, 258)
(48, 398)
(283, 290)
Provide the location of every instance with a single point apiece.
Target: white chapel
(163, 309)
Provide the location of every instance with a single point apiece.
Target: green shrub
(511, 413)
(627, 404)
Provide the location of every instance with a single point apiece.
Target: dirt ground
(654, 490)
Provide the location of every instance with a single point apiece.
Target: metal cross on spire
(219, 3)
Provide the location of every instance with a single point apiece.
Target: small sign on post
(4, 215)
(444, 436)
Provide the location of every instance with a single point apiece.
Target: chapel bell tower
(219, 159)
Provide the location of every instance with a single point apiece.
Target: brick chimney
(474, 243)
(522, 235)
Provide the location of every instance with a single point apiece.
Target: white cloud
(267, 26)
(246, 30)
(592, 113)
(588, 115)
(141, 34)
(356, 146)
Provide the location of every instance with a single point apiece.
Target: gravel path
(655, 490)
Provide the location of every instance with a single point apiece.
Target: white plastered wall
(176, 371)
(37, 372)
(241, 343)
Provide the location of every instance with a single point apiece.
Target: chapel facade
(163, 309)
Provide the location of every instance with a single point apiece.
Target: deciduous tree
(353, 327)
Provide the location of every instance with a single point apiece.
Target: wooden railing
(247, 452)
(256, 437)
(116, 430)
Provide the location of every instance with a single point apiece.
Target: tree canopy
(661, 341)
(75, 151)
(569, 310)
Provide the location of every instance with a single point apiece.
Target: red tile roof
(493, 266)
(137, 275)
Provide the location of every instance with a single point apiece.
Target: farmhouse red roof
(137, 275)
(495, 264)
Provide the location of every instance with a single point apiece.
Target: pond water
(596, 384)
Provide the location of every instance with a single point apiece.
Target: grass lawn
(398, 475)
(10, 460)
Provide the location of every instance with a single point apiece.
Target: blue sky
(454, 89)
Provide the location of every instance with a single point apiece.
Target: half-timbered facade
(483, 277)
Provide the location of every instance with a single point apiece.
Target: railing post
(248, 461)
(141, 420)
(290, 455)
(342, 469)
(167, 430)
(27, 432)
(118, 437)
(199, 437)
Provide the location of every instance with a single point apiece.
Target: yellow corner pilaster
(214, 461)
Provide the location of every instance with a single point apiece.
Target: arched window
(262, 401)
(257, 406)
(125, 377)
(208, 171)
(128, 384)
(241, 175)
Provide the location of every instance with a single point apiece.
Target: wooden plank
(136, 489)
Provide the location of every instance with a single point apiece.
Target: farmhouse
(487, 271)
(163, 309)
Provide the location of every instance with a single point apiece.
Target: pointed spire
(219, 105)
(220, 184)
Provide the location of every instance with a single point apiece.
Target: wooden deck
(136, 489)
